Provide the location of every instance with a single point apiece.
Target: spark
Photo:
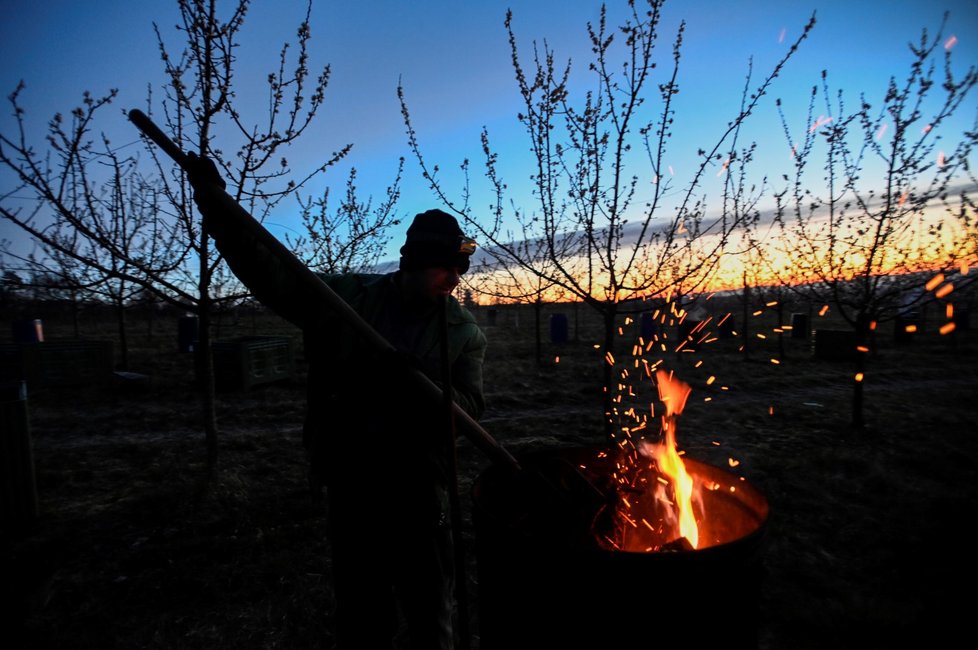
(950, 42)
(881, 132)
(776, 362)
(781, 35)
(732, 462)
(947, 328)
(934, 281)
(859, 376)
(723, 167)
(943, 291)
(821, 121)
(821, 312)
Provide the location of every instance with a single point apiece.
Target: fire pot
(544, 581)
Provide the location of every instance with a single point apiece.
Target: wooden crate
(247, 361)
(58, 364)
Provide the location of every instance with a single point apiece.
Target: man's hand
(201, 171)
(203, 175)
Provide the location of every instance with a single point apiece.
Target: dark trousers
(391, 552)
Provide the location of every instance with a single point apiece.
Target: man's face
(436, 282)
(441, 281)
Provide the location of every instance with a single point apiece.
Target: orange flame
(674, 394)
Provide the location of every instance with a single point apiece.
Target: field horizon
(135, 545)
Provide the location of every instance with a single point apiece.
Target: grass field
(132, 548)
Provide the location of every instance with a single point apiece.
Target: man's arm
(467, 375)
(268, 273)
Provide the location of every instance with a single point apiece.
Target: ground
(136, 546)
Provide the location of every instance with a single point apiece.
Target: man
(379, 444)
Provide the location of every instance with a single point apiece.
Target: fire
(657, 497)
(674, 394)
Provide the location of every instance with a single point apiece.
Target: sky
(452, 58)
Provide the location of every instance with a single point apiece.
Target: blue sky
(453, 60)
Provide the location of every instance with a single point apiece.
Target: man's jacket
(364, 412)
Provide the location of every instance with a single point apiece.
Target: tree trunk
(862, 344)
(608, 374)
(781, 349)
(538, 316)
(205, 359)
(74, 315)
(120, 315)
(745, 348)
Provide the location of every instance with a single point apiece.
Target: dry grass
(133, 549)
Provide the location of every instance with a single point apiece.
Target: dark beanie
(434, 240)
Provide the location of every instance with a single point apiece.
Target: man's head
(436, 252)
(434, 240)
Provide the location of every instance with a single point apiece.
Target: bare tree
(869, 243)
(496, 278)
(353, 237)
(607, 240)
(94, 218)
(198, 102)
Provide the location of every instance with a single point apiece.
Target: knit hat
(434, 239)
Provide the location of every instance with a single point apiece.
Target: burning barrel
(547, 580)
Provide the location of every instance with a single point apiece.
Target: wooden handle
(242, 219)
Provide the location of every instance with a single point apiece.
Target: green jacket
(363, 404)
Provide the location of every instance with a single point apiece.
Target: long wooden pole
(467, 425)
